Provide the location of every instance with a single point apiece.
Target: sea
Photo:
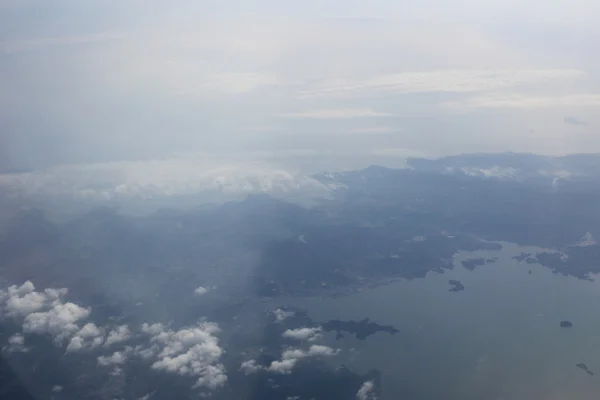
(499, 339)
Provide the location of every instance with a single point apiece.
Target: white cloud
(60, 321)
(174, 176)
(190, 351)
(338, 114)
(366, 391)
(280, 314)
(23, 300)
(283, 366)
(200, 290)
(250, 367)
(320, 350)
(309, 334)
(117, 358)
(458, 81)
(46, 313)
(89, 336)
(120, 334)
(290, 357)
(522, 101)
(373, 130)
(16, 343)
(153, 329)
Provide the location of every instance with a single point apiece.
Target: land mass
(362, 329)
(456, 286)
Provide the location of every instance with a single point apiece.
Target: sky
(110, 81)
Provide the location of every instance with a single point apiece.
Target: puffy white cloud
(60, 321)
(90, 336)
(117, 358)
(23, 300)
(290, 357)
(190, 351)
(366, 391)
(283, 366)
(153, 329)
(120, 334)
(250, 367)
(309, 334)
(16, 343)
(280, 314)
(46, 313)
(200, 290)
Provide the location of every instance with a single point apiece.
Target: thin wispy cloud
(337, 114)
(575, 121)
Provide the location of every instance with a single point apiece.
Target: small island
(361, 329)
(566, 324)
(473, 262)
(585, 368)
(456, 286)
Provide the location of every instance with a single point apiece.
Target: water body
(498, 339)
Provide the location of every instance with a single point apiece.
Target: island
(585, 368)
(361, 329)
(522, 257)
(456, 286)
(566, 324)
(473, 262)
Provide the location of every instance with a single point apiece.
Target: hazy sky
(90, 81)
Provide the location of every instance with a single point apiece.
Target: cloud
(522, 101)
(117, 358)
(309, 334)
(290, 357)
(16, 343)
(457, 81)
(16, 46)
(575, 121)
(24, 300)
(280, 314)
(250, 367)
(190, 351)
(337, 114)
(201, 290)
(46, 313)
(89, 336)
(283, 366)
(118, 335)
(165, 178)
(60, 321)
(373, 130)
(366, 391)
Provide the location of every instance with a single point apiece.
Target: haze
(102, 81)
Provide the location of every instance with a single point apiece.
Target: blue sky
(101, 81)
